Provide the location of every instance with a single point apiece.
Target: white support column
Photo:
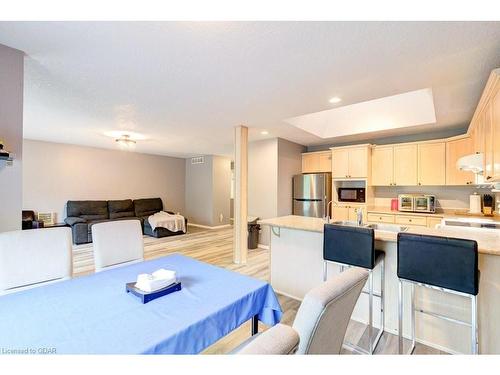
(240, 248)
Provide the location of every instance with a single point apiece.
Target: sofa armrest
(71, 220)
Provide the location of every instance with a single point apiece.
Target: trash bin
(253, 232)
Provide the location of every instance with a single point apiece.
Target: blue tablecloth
(94, 314)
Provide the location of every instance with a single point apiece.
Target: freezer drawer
(309, 208)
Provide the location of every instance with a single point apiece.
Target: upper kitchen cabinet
(432, 163)
(495, 120)
(382, 166)
(485, 128)
(405, 165)
(488, 143)
(455, 149)
(351, 162)
(394, 165)
(314, 162)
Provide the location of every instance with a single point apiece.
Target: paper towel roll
(475, 204)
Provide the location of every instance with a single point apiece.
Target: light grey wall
(263, 182)
(55, 173)
(221, 190)
(11, 132)
(199, 192)
(289, 164)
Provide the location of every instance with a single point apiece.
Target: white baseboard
(208, 227)
(261, 246)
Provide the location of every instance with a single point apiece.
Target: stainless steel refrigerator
(311, 194)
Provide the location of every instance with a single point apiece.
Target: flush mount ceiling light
(335, 100)
(125, 141)
(264, 132)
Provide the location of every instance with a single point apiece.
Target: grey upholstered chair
(321, 322)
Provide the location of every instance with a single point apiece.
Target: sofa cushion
(70, 220)
(121, 208)
(147, 207)
(88, 210)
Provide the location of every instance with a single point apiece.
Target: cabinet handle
(420, 183)
(409, 220)
(489, 177)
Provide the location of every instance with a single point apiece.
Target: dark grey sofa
(81, 215)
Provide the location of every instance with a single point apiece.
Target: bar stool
(349, 246)
(446, 264)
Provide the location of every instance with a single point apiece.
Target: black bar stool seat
(447, 264)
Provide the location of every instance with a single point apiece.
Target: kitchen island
(296, 247)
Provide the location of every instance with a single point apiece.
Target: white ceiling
(186, 85)
(395, 112)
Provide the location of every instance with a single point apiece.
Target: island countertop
(488, 241)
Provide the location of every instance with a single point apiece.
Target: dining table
(94, 314)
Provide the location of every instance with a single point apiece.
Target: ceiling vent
(198, 160)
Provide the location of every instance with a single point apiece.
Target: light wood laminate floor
(215, 247)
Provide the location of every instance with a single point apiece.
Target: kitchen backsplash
(448, 197)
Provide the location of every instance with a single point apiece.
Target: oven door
(422, 204)
(405, 203)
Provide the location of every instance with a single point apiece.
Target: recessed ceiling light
(264, 132)
(335, 99)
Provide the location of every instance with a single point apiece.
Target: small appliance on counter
(417, 203)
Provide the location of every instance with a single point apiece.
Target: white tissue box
(155, 281)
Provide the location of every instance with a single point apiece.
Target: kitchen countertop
(488, 240)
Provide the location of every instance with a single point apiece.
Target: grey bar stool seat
(354, 246)
(446, 264)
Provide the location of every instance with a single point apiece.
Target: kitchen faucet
(327, 216)
(359, 216)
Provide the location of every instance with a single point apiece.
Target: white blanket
(162, 219)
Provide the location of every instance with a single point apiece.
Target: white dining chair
(31, 258)
(117, 243)
(321, 322)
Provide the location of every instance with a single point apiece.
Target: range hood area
(473, 163)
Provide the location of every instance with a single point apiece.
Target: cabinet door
(358, 162)
(310, 163)
(340, 163)
(479, 136)
(495, 119)
(353, 216)
(382, 166)
(340, 213)
(405, 165)
(432, 164)
(454, 151)
(488, 142)
(325, 161)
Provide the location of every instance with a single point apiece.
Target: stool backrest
(349, 245)
(450, 263)
(325, 312)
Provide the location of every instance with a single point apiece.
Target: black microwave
(351, 195)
